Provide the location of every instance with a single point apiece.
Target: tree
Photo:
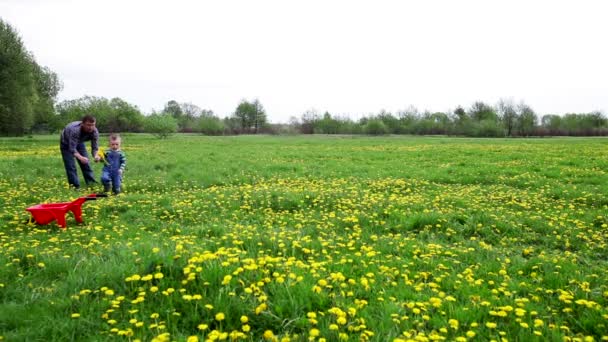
(211, 125)
(244, 115)
(391, 122)
(552, 123)
(507, 114)
(173, 108)
(526, 120)
(461, 121)
(375, 126)
(160, 125)
(188, 121)
(259, 115)
(114, 115)
(327, 125)
(232, 125)
(408, 119)
(598, 119)
(123, 117)
(250, 115)
(309, 120)
(48, 86)
(18, 92)
(460, 114)
(480, 111)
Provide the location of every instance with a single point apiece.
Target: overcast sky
(346, 57)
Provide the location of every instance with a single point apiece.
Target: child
(115, 162)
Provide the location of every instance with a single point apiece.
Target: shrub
(375, 127)
(211, 126)
(161, 125)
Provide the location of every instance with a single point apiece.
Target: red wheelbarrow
(47, 213)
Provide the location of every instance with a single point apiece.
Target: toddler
(115, 162)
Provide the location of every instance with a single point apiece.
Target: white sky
(346, 57)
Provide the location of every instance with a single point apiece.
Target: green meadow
(312, 239)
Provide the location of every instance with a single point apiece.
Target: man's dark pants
(69, 161)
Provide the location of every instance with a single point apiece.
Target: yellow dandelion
(268, 334)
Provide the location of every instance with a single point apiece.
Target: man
(73, 137)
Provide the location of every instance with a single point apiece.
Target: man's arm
(72, 136)
(94, 147)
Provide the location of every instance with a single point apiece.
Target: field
(312, 239)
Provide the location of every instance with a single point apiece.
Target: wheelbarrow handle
(93, 197)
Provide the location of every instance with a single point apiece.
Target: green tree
(18, 93)
(309, 120)
(408, 120)
(327, 125)
(211, 125)
(570, 124)
(188, 121)
(160, 125)
(173, 108)
(481, 111)
(232, 125)
(552, 123)
(250, 115)
(391, 122)
(123, 117)
(526, 120)
(462, 121)
(507, 114)
(440, 122)
(598, 119)
(486, 128)
(244, 115)
(114, 115)
(48, 87)
(259, 115)
(375, 126)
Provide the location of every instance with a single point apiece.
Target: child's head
(114, 141)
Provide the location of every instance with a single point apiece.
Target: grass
(312, 238)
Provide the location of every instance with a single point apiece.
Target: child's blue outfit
(114, 161)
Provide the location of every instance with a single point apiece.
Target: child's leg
(116, 183)
(106, 179)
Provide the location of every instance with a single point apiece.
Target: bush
(487, 128)
(211, 126)
(161, 125)
(375, 127)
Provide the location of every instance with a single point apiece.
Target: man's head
(115, 142)
(88, 123)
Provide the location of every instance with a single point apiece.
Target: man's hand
(83, 160)
(120, 172)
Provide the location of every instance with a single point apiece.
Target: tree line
(28, 104)
(505, 119)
